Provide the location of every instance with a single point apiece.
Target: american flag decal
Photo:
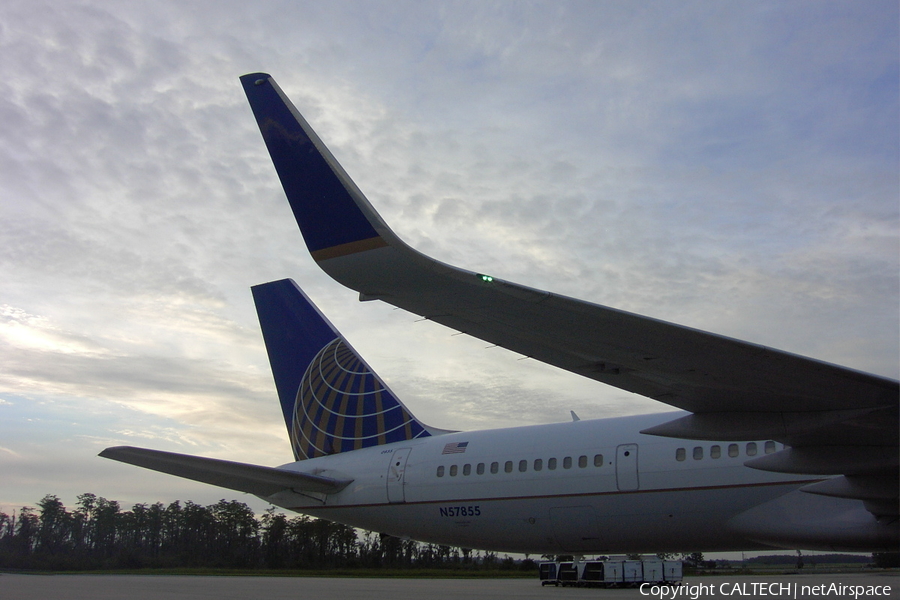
(455, 448)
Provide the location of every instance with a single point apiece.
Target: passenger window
(467, 469)
(508, 466)
(715, 451)
(567, 462)
(480, 469)
(495, 467)
(679, 454)
(732, 450)
(523, 466)
(770, 447)
(751, 448)
(453, 469)
(698, 452)
(551, 464)
(538, 464)
(440, 471)
(598, 460)
(582, 461)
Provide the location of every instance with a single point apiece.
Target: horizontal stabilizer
(253, 479)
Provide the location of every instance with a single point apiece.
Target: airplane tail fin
(331, 399)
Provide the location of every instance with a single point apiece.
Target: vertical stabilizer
(331, 399)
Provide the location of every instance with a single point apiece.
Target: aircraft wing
(737, 390)
(253, 479)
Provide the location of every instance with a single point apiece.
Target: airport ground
(14, 586)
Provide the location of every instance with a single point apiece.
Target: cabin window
(679, 454)
(495, 467)
(770, 447)
(567, 462)
(715, 451)
(551, 464)
(453, 469)
(467, 470)
(523, 466)
(480, 469)
(698, 452)
(582, 461)
(751, 448)
(733, 450)
(538, 464)
(508, 466)
(440, 471)
(598, 460)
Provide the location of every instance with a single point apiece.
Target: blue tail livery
(331, 399)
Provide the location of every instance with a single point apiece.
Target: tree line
(99, 534)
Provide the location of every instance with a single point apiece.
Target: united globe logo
(341, 405)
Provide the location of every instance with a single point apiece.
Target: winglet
(334, 216)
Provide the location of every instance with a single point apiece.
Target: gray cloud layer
(732, 167)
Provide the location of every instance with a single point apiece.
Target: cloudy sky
(728, 166)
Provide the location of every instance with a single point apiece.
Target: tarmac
(855, 586)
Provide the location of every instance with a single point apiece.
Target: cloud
(730, 167)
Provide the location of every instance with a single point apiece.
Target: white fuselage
(584, 486)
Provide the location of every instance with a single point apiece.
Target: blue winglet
(331, 399)
(334, 216)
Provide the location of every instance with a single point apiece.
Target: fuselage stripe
(797, 483)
